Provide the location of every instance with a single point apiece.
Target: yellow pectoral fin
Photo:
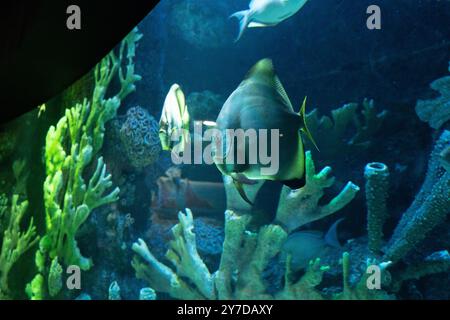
(304, 128)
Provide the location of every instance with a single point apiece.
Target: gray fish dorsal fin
(280, 89)
(264, 69)
(331, 237)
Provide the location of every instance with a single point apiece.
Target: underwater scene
(264, 149)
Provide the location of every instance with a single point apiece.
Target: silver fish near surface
(266, 13)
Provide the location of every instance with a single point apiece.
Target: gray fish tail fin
(331, 237)
(305, 129)
(244, 20)
(240, 189)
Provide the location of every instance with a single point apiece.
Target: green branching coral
(331, 134)
(360, 290)
(299, 207)
(436, 111)
(240, 275)
(245, 257)
(14, 242)
(71, 189)
(246, 253)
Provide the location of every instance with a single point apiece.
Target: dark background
(40, 57)
(332, 57)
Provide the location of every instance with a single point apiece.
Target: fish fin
(331, 237)
(254, 24)
(240, 189)
(282, 92)
(185, 120)
(243, 17)
(299, 182)
(305, 129)
(181, 100)
(210, 124)
(185, 139)
(263, 68)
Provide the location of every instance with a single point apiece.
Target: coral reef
(299, 207)
(332, 134)
(246, 254)
(429, 208)
(14, 241)
(139, 137)
(70, 151)
(436, 112)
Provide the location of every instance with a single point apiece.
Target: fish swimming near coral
(260, 102)
(174, 120)
(304, 246)
(266, 13)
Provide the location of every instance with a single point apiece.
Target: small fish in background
(266, 13)
(175, 116)
(304, 246)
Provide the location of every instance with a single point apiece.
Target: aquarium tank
(265, 149)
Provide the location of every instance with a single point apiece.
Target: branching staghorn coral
(71, 189)
(246, 254)
(331, 133)
(436, 111)
(299, 207)
(244, 258)
(14, 241)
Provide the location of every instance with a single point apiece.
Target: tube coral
(377, 184)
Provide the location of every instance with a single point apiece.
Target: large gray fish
(260, 102)
(265, 13)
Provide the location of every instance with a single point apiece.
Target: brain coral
(139, 137)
